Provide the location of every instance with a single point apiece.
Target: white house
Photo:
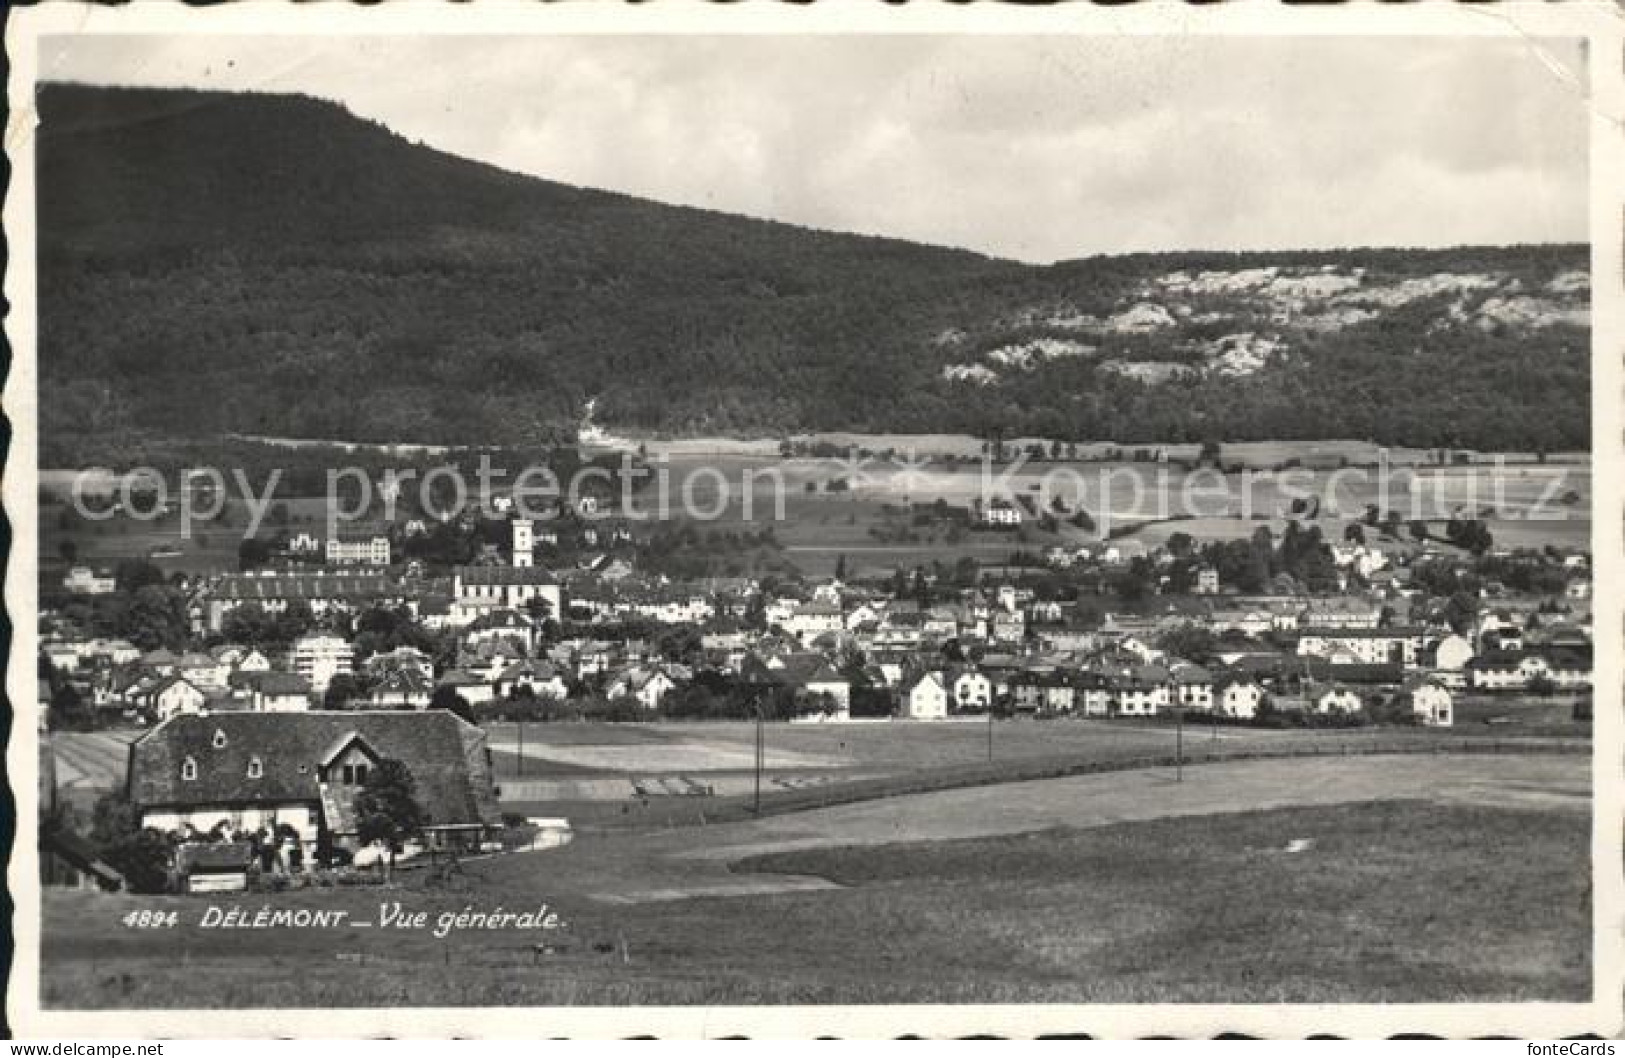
(972, 690)
(173, 696)
(811, 620)
(367, 549)
(1193, 687)
(1240, 698)
(927, 699)
(648, 685)
(1431, 703)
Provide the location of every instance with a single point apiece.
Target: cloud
(1032, 147)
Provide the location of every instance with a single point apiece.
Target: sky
(1026, 147)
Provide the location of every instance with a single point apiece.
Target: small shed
(215, 868)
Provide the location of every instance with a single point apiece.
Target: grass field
(1389, 879)
(623, 775)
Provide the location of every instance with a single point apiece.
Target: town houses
(268, 695)
(516, 626)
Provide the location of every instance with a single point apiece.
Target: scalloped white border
(1597, 20)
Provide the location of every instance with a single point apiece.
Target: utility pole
(990, 732)
(521, 748)
(1179, 743)
(757, 807)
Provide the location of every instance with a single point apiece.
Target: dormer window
(256, 768)
(188, 770)
(219, 739)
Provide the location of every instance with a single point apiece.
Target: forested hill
(272, 264)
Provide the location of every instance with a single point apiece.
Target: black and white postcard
(854, 520)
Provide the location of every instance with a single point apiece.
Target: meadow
(1372, 879)
(821, 509)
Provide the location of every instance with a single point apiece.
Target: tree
(253, 553)
(343, 689)
(1190, 641)
(1354, 534)
(1460, 611)
(679, 643)
(387, 809)
(1542, 685)
(133, 574)
(840, 568)
(1419, 529)
(69, 711)
(142, 855)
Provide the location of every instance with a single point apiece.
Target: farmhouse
(247, 771)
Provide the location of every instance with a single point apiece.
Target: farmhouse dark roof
(445, 755)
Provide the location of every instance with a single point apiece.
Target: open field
(1518, 714)
(644, 774)
(1248, 453)
(1533, 505)
(1363, 879)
